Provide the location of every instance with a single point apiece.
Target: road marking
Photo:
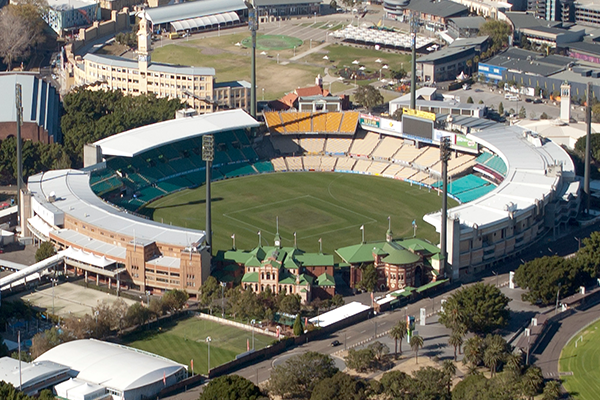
(349, 337)
(363, 331)
(383, 323)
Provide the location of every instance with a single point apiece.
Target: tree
(360, 360)
(368, 96)
(397, 333)
(380, 350)
(156, 308)
(397, 385)
(498, 31)
(299, 375)
(399, 74)
(137, 314)
(298, 328)
(544, 116)
(474, 350)
(480, 102)
(501, 108)
(19, 32)
(532, 381)
(342, 386)
(46, 250)
(495, 351)
(209, 292)
(119, 311)
(522, 112)
(455, 340)
(470, 100)
(551, 390)
(481, 307)
(449, 369)
(416, 342)
(397, 115)
(369, 278)
(174, 300)
(431, 384)
(290, 304)
(231, 387)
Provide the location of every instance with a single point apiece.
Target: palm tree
(514, 363)
(397, 333)
(456, 340)
(551, 391)
(473, 350)
(449, 369)
(416, 342)
(491, 356)
(532, 382)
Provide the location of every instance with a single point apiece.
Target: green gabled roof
(315, 259)
(306, 280)
(287, 279)
(407, 292)
(401, 257)
(303, 291)
(237, 256)
(259, 253)
(253, 262)
(431, 248)
(437, 256)
(378, 251)
(359, 253)
(273, 263)
(250, 277)
(431, 285)
(325, 280)
(416, 247)
(290, 263)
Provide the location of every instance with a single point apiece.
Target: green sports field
(186, 340)
(331, 206)
(584, 362)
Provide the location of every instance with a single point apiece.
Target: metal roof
(111, 365)
(139, 140)
(521, 19)
(122, 62)
(468, 22)
(32, 374)
(192, 9)
(447, 52)
(76, 198)
(439, 8)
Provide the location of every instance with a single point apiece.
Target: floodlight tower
(208, 155)
(19, 106)
(253, 26)
(414, 26)
(588, 123)
(444, 156)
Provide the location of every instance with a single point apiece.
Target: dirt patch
(211, 51)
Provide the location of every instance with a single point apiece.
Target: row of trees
(547, 278)
(9, 392)
(21, 29)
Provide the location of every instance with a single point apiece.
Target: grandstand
(312, 145)
(491, 165)
(282, 122)
(338, 145)
(364, 144)
(388, 146)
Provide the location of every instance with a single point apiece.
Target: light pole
(557, 294)
(147, 297)
(253, 26)
(495, 273)
(252, 323)
(263, 94)
(208, 340)
(223, 284)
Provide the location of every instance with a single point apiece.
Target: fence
(239, 325)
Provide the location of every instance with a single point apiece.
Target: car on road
(335, 343)
(537, 101)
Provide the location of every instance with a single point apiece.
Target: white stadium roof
(529, 177)
(75, 197)
(139, 140)
(111, 365)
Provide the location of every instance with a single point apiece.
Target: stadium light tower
(19, 106)
(588, 123)
(253, 26)
(444, 156)
(414, 25)
(208, 155)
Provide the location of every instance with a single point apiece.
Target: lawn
(315, 205)
(186, 340)
(584, 362)
(232, 62)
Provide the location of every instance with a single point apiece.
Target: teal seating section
(264, 166)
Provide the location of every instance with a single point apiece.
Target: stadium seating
(279, 164)
(377, 167)
(312, 163)
(349, 122)
(328, 163)
(428, 157)
(290, 122)
(362, 165)
(334, 119)
(304, 122)
(263, 166)
(338, 146)
(366, 145)
(392, 170)
(345, 164)
(312, 145)
(319, 123)
(294, 163)
(284, 145)
(407, 154)
(274, 121)
(388, 146)
(405, 173)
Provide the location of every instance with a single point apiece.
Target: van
(174, 35)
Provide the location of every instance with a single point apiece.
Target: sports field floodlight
(208, 155)
(208, 340)
(414, 26)
(253, 322)
(445, 153)
(19, 113)
(253, 27)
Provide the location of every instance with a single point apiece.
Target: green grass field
(584, 362)
(315, 205)
(186, 340)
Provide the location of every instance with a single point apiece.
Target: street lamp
(495, 273)
(223, 284)
(208, 340)
(253, 322)
(263, 94)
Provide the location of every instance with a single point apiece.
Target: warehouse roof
(440, 8)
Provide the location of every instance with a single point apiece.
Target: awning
(430, 285)
(87, 258)
(40, 226)
(203, 22)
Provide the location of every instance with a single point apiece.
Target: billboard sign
(367, 120)
(463, 141)
(418, 113)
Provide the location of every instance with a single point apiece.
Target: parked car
(335, 343)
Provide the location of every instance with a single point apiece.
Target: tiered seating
(419, 176)
(311, 163)
(284, 144)
(249, 154)
(264, 166)
(319, 122)
(304, 122)
(428, 157)
(338, 145)
(100, 175)
(468, 188)
(242, 138)
(328, 163)
(461, 163)
(432, 180)
(349, 122)
(334, 119)
(377, 167)
(405, 173)
(497, 164)
(279, 164)
(274, 122)
(387, 147)
(294, 163)
(290, 122)
(235, 154)
(392, 170)
(196, 178)
(362, 165)
(107, 185)
(174, 184)
(344, 164)
(365, 146)
(407, 153)
(312, 145)
(181, 165)
(150, 193)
